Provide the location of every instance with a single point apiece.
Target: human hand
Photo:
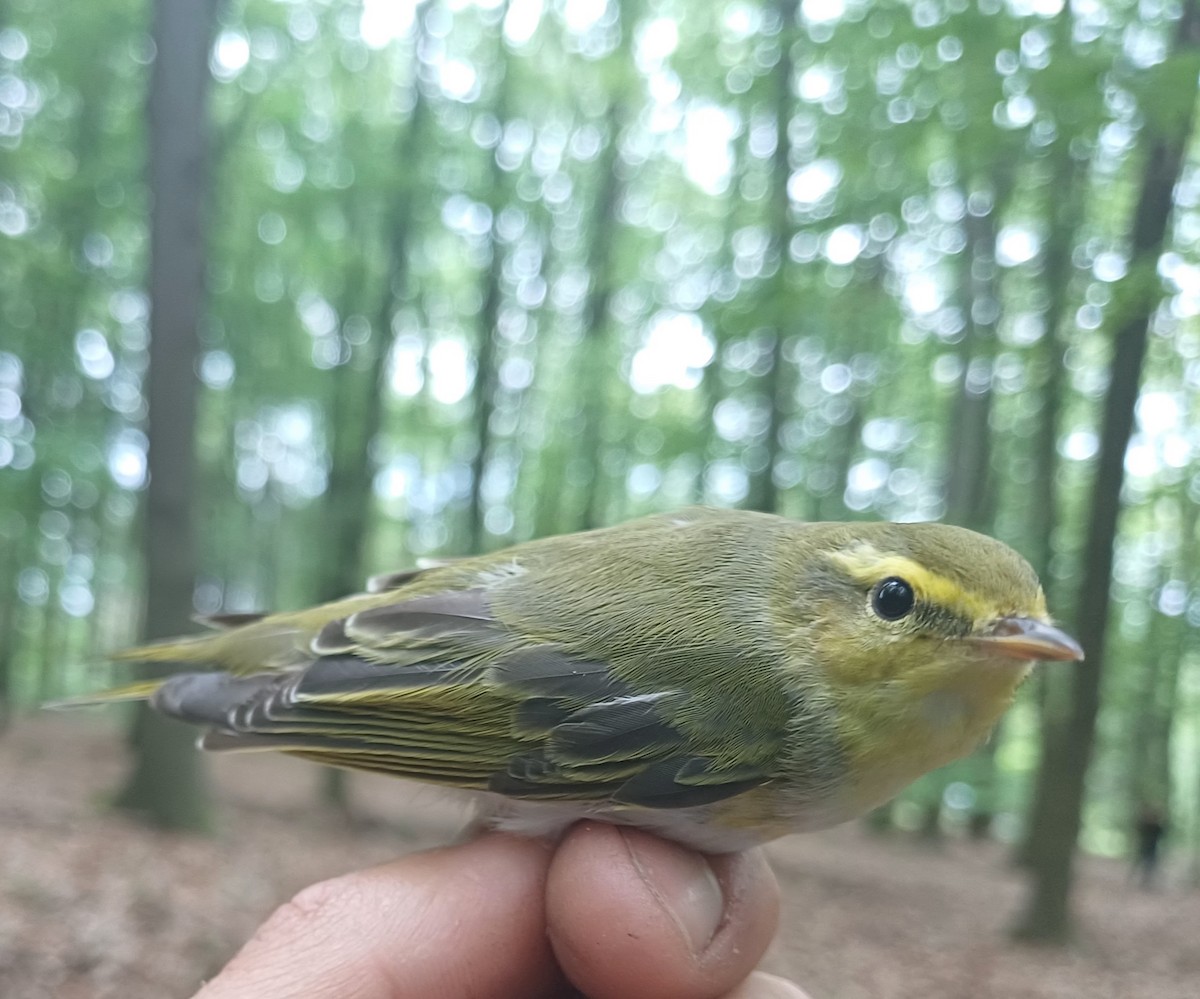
(605, 912)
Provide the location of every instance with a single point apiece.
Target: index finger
(463, 921)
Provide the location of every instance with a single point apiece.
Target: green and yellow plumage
(721, 677)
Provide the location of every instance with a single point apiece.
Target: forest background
(300, 291)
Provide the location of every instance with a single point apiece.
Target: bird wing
(434, 687)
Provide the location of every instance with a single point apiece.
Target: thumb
(630, 915)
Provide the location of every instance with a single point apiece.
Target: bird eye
(892, 599)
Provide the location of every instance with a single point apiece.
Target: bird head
(923, 606)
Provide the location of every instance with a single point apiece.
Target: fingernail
(763, 986)
(682, 882)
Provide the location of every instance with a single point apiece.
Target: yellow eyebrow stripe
(868, 565)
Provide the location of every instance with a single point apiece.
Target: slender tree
(1063, 200)
(1156, 695)
(775, 385)
(356, 412)
(596, 351)
(1060, 784)
(968, 458)
(167, 784)
(487, 333)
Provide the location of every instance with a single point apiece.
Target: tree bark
(1065, 191)
(1065, 185)
(1060, 786)
(762, 492)
(970, 486)
(486, 361)
(358, 398)
(1157, 696)
(968, 473)
(167, 786)
(12, 527)
(357, 406)
(597, 331)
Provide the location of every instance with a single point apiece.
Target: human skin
(604, 912)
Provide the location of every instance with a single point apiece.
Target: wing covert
(434, 687)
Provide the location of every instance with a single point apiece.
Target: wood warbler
(716, 676)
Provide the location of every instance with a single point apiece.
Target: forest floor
(93, 906)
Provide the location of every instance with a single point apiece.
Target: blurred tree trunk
(360, 386)
(537, 408)
(12, 527)
(1064, 201)
(167, 786)
(55, 624)
(711, 392)
(1155, 698)
(968, 475)
(20, 550)
(763, 492)
(1044, 509)
(774, 388)
(842, 448)
(484, 392)
(1065, 186)
(595, 351)
(969, 486)
(108, 541)
(1194, 872)
(717, 316)
(486, 360)
(1194, 845)
(354, 416)
(1148, 660)
(1154, 783)
(597, 366)
(1060, 785)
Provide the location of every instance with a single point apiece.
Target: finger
(763, 986)
(631, 915)
(462, 921)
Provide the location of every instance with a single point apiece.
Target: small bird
(718, 677)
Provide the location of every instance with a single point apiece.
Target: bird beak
(1028, 638)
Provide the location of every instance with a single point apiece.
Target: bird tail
(171, 651)
(143, 690)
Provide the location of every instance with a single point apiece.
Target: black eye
(892, 599)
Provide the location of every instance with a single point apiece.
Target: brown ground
(94, 906)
